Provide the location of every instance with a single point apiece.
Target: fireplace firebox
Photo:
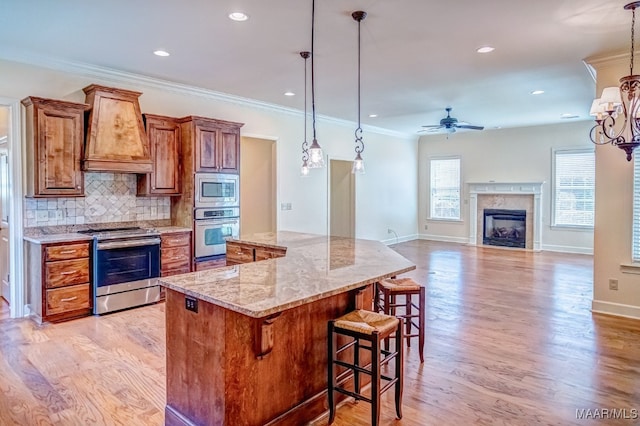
(506, 228)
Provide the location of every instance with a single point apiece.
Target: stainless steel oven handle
(216, 222)
(128, 243)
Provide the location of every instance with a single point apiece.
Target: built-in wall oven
(212, 229)
(213, 190)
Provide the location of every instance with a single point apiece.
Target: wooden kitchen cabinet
(54, 148)
(239, 252)
(175, 253)
(215, 144)
(166, 147)
(59, 279)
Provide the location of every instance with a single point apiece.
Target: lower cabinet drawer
(66, 272)
(268, 253)
(67, 299)
(175, 258)
(210, 264)
(169, 272)
(239, 254)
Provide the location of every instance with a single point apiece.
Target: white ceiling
(418, 56)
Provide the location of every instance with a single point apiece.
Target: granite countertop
(170, 229)
(57, 238)
(43, 237)
(315, 267)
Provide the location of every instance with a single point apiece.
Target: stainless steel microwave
(216, 190)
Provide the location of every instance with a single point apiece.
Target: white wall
(504, 155)
(386, 195)
(614, 215)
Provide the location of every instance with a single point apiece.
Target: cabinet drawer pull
(67, 252)
(68, 272)
(69, 299)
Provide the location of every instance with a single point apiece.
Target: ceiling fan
(450, 124)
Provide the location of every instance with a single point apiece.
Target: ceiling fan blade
(468, 126)
(435, 126)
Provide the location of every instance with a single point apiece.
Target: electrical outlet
(613, 284)
(426, 227)
(191, 304)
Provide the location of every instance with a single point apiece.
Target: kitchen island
(246, 344)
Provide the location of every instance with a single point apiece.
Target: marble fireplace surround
(528, 193)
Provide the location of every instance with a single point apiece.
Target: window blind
(574, 186)
(635, 252)
(445, 188)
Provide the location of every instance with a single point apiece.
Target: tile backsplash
(109, 197)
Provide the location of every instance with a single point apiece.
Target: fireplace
(505, 227)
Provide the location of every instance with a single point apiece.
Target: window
(445, 188)
(635, 252)
(574, 187)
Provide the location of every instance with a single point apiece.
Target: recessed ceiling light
(289, 94)
(485, 49)
(160, 52)
(373, 115)
(238, 16)
(567, 115)
(537, 92)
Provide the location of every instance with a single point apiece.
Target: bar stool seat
(385, 301)
(371, 327)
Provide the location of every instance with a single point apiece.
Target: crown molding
(117, 76)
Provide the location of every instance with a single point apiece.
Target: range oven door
(125, 274)
(211, 235)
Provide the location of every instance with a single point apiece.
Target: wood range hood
(116, 140)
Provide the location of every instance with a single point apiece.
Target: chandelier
(623, 102)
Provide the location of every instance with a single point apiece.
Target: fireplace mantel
(506, 188)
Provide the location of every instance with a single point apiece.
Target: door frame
(354, 195)
(16, 245)
(275, 159)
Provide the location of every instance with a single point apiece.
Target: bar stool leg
(399, 371)
(408, 299)
(421, 322)
(375, 379)
(356, 361)
(331, 376)
(388, 300)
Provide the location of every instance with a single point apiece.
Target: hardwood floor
(510, 340)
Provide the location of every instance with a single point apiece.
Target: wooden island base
(225, 368)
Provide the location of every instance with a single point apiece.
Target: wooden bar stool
(369, 327)
(385, 302)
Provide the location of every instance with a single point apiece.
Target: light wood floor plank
(510, 340)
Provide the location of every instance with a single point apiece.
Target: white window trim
(553, 225)
(440, 219)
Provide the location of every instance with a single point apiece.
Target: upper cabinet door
(229, 150)
(55, 134)
(206, 148)
(165, 144)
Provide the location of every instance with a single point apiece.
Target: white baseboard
(617, 309)
(400, 239)
(444, 238)
(567, 249)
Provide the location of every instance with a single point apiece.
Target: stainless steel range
(126, 264)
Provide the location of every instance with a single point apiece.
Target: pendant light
(316, 156)
(358, 163)
(304, 171)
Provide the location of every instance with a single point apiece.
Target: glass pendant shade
(358, 165)
(304, 170)
(316, 156)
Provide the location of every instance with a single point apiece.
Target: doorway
(342, 199)
(5, 289)
(258, 196)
